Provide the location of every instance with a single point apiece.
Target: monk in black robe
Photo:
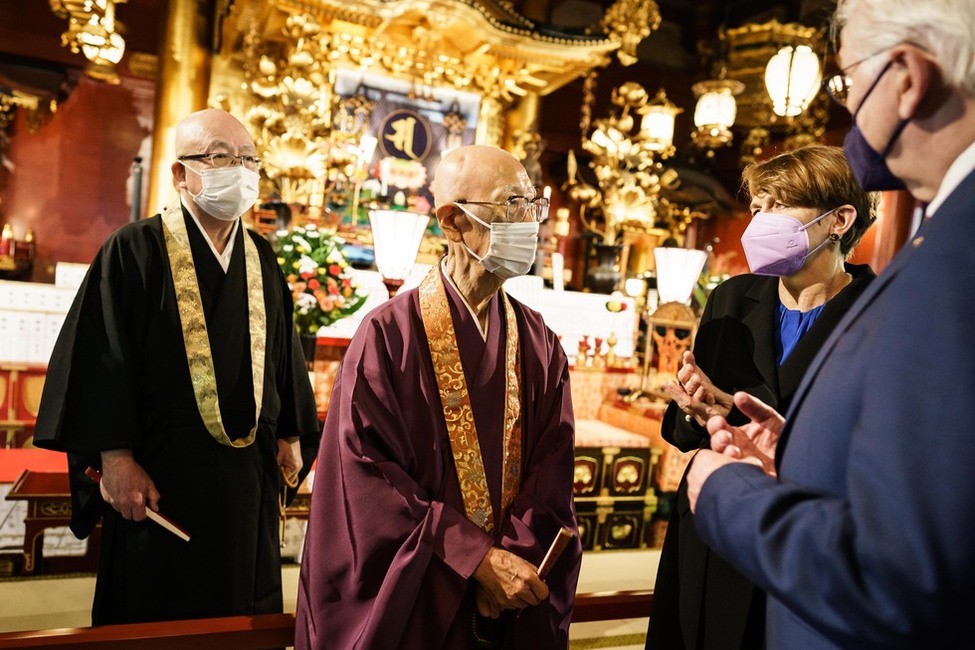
(178, 375)
(446, 463)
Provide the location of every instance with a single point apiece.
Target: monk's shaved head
(479, 173)
(212, 130)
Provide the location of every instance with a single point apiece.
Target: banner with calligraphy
(413, 126)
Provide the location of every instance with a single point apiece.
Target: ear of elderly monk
(415, 533)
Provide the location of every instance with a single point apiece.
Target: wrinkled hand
(753, 443)
(289, 457)
(505, 581)
(694, 393)
(126, 486)
(756, 440)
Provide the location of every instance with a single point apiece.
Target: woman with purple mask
(759, 332)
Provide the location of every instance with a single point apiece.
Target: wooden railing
(263, 631)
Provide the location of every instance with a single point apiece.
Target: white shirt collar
(958, 171)
(228, 251)
(477, 321)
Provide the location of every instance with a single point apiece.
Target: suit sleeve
(886, 562)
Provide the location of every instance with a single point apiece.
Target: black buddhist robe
(119, 378)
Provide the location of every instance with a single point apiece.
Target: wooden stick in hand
(160, 519)
(554, 551)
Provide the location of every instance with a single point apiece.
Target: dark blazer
(867, 539)
(699, 600)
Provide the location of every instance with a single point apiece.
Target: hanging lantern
(94, 32)
(792, 78)
(657, 126)
(715, 112)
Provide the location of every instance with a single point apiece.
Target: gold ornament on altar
(314, 143)
(628, 148)
(630, 21)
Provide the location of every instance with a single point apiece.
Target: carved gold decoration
(628, 474)
(55, 509)
(31, 389)
(584, 475)
(629, 22)
(478, 46)
(628, 148)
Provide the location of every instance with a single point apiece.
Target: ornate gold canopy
(483, 47)
(479, 46)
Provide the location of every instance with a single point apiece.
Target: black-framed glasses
(518, 208)
(222, 160)
(838, 85)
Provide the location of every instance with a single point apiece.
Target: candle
(558, 263)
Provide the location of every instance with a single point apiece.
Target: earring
(833, 237)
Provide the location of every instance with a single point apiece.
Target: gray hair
(943, 28)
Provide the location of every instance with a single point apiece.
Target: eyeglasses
(838, 86)
(518, 208)
(221, 160)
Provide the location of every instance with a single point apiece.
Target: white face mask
(227, 192)
(511, 251)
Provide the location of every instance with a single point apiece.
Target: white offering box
(31, 315)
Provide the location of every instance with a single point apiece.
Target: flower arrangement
(318, 274)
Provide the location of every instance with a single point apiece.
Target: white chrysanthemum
(334, 256)
(307, 265)
(306, 302)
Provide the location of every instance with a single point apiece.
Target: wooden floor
(56, 602)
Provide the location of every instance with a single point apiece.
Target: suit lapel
(956, 206)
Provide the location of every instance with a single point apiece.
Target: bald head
(212, 130)
(479, 173)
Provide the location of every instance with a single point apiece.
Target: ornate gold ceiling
(482, 46)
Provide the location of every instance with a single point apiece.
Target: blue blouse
(792, 324)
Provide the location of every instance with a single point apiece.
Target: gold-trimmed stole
(194, 325)
(464, 443)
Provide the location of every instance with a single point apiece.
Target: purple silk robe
(388, 551)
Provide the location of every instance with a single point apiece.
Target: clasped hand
(506, 581)
(752, 443)
(694, 393)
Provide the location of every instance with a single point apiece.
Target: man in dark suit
(865, 537)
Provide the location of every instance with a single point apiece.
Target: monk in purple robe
(446, 463)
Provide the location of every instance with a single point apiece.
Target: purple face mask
(777, 244)
(868, 165)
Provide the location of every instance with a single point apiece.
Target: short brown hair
(814, 176)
